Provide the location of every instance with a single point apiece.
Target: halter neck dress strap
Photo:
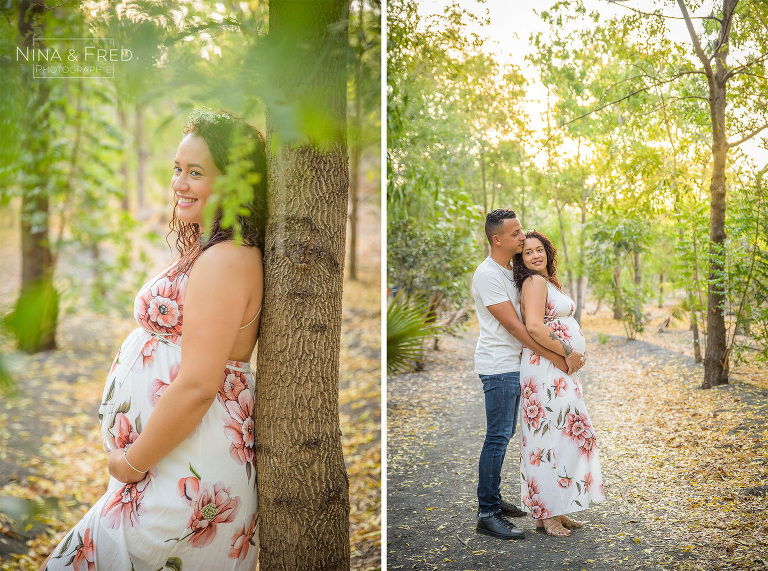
(254, 318)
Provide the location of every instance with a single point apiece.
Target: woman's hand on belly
(575, 361)
(120, 470)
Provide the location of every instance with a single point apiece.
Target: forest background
(602, 138)
(85, 203)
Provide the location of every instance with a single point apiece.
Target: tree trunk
(636, 259)
(661, 290)
(494, 181)
(141, 162)
(486, 246)
(580, 297)
(565, 245)
(716, 356)
(303, 485)
(35, 315)
(482, 176)
(695, 302)
(695, 330)
(716, 366)
(618, 313)
(357, 144)
(124, 172)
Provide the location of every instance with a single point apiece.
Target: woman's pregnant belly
(567, 329)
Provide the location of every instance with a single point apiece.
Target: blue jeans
(502, 400)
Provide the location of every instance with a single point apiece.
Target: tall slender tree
(719, 76)
(36, 312)
(303, 485)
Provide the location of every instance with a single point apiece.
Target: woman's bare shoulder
(228, 260)
(535, 282)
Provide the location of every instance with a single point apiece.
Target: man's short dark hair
(494, 220)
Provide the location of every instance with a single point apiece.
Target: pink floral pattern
(533, 411)
(239, 426)
(528, 387)
(126, 434)
(560, 386)
(212, 505)
(239, 422)
(160, 307)
(114, 365)
(219, 511)
(148, 351)
(158, 386)
(234, 383)
(243, 539)
(84, 558)
(561, 473)
(535, 503)
(126, 505)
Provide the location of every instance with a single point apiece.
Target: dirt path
(436, 426)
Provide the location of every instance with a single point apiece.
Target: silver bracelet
(125, 455)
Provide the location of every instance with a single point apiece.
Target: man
(497, 361)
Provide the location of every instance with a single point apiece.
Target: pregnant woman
(177, 411)
(559, 464)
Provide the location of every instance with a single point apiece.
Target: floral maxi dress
(559, 462)
(197, 508)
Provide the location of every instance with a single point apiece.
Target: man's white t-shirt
(497, 350)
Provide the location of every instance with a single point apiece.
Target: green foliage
(34, 317)
(408, 326)
(633, 317)
(234, 188)
(447, 101)
(747, 269)
(433, 260)
(612, 239)
(11, 105)
(364, 70)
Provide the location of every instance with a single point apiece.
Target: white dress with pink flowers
(559, 462)
(197, 508)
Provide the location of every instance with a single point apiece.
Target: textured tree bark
(302, 480)
(36, 311)
(716, 364)
(716, 357)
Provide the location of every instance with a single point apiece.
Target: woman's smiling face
(193, 174)
(534, 256)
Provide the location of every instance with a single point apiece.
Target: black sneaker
(498, 527)
(510, 509)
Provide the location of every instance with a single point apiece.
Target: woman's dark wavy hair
(221, 130)
(520, 272)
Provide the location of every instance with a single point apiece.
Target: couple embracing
(530, 349)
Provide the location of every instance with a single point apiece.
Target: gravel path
(436, 427)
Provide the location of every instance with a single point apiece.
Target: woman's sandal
(569, 523)
(556, 529)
